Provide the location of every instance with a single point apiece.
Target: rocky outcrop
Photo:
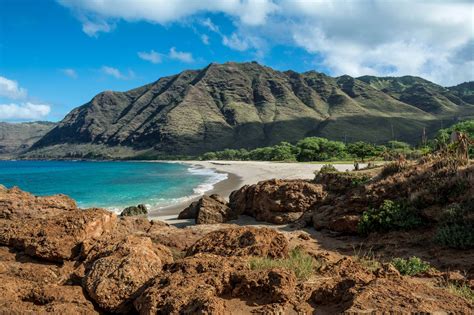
(134, 211)
(209, 210)
(15, 203)
(91, 261)
(242, 241)
(58, 237)
(276, 201)
(429, 186)
(120, 269)
(199, 284)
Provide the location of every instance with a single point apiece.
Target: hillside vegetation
(247, 105)
(16, 138)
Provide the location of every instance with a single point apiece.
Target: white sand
(251, 172)
(245, 173)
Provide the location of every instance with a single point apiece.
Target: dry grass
(302, 264)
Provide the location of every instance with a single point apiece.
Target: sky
(56, 55)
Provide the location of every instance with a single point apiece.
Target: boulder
(209, 210)
(242, 241)
(135, 210)
(118, 270)
(189, 286)
(15, 203)
(58, 237)
(276, 201)
(201, 284)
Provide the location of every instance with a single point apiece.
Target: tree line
(322, 149)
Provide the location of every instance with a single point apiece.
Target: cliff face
(246, 105)
(16, 138)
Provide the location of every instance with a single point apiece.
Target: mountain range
(248, 105)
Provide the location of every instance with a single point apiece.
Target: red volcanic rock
(276, 201)
(209, 210)
(119, 270)
(15, 203)
(202, 284)
(58, 237)
(242, 241)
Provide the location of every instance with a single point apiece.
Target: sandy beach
(241, 173)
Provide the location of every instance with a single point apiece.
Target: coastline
(240, 173)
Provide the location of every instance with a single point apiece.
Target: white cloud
(250, 12)
(69, 72)
(151, 56)
(180, 55)
(92, 28)
(24, 111)
(11, 89)
(210, 25)
(387, 38)
(405, 37)
(116, 73)
(205, 39)
(235, 42)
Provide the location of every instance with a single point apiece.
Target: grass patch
(411, 266)
(177, 254)
(299, 261)
(462, 290)
(366, 258)
(390, 216)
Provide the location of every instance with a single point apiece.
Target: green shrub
(411, 266)
(455, 229)
(457, 235)
(327, 168)
(359, 180)
(300, 262)
(390, 216)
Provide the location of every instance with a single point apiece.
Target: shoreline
(240, 173)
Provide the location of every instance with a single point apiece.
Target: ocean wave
(211, 178)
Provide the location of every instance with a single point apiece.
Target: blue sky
(56, 55)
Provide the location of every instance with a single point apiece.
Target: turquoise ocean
(112, 185)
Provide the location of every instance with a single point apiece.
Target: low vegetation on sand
(388, 217)
(302, 264)
(411, 266)
(322, 149)
(462, 290)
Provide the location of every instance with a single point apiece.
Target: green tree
(362, 149)
(320, 149)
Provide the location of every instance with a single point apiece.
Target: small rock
(135, 210)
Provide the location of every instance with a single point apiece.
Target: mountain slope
(16, 138)
(236, 105)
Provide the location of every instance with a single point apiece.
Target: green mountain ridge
(16, 138)
(247, 105)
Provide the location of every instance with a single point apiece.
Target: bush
(300, 262)
(411, 266)
(455, 230)
(457, 235)
(390, 216)
(327, 168)
(393, 167)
